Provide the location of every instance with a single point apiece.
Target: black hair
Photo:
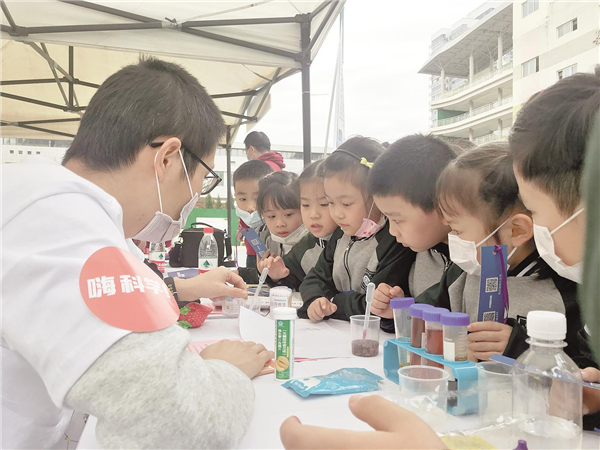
(483, 183)
(139, 103)
(409, 168)
(314, 171)
(347, 162)
(280, 189)
(251, 170)
(259, 140)
(548, 139)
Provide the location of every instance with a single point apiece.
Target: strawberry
(193, 315)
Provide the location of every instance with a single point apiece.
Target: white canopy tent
(56, 53)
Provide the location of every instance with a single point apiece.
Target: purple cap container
(402, 302)
(455, 319)
(433, 314)
(416, 310)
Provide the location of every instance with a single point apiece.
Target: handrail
(482, 109)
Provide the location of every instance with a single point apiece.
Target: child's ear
(521, 229)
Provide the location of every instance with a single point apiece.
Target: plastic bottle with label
(157, 255)
(547, 387)
(208, 251)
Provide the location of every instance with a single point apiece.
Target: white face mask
(253, 220)
(545, 247)
(162, 227)
(464, 253)
(369, 227)
(292, 238)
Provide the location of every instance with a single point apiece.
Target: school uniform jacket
(532, 286)
(348, 264)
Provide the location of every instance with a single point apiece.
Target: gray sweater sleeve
(149, 392)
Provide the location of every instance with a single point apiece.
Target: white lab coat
(52, 222)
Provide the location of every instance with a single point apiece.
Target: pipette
(369, 298)
(255, 304)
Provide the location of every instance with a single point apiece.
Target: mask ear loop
(157, 183)
(492, 233)
(371, 210)
(567, 221)
(186, 173)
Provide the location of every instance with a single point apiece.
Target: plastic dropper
(370, 293)
(255, 305)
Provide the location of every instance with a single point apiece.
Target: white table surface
(274, 404)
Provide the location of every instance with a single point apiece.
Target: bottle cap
(416, 310)
(547, 325)
(433, 314)
(284, 313)
(208, 230)
(401, 302)
(522, 445)
(455, 319)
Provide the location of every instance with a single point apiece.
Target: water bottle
(157, 255)
(208, 252)
(547, 387)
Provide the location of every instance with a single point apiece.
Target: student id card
(252, 237)
(493, 291)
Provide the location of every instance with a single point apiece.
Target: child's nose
(315, 213)
(251, 207)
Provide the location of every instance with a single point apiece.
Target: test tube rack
(464, 399)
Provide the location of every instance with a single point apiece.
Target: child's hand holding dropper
(381, 300)
(276, 266)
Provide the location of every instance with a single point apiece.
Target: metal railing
(493, 137)
(481, 110)
(477, 81)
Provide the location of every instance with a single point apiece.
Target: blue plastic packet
(343, 381)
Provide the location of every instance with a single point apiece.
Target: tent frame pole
(229, 199)
(306, 62)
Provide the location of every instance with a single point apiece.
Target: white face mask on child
(253, 220)
(464, 253)
(292, 238)
(369, 227)
(545, 247)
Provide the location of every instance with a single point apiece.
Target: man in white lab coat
(144, 151)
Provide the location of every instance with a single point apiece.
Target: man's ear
(167, 157)
(521, 229)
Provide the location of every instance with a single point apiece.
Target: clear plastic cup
(424, 390)
(365, 344)
(495, 392)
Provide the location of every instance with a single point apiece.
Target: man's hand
(214, 284)
(591, 397)
(395, 427)
(249, 357)
(487, 338)
(320, 308)
(381, 300)
(277, 269)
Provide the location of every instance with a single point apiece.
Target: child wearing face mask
(478, 196)
(361, 250)
(291, 269)
(245, 186)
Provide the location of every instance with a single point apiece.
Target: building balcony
(478, 83)
(493, 137)
(468, 116)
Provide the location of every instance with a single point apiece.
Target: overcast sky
(386, 43)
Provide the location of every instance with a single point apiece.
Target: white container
(547, 389)
(231, 307)
(280, 297)
(285, 335)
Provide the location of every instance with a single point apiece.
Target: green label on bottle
(284, 349)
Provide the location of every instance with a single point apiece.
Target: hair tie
(366, 163)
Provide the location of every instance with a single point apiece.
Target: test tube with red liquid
(417, 330)
(434, 341)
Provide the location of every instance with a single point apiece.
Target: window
(529, 67)
(567, 71)
(20, 152)
(29, 152)
(529, 6)
(12, 152)
(565, 28)
(37, 153)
